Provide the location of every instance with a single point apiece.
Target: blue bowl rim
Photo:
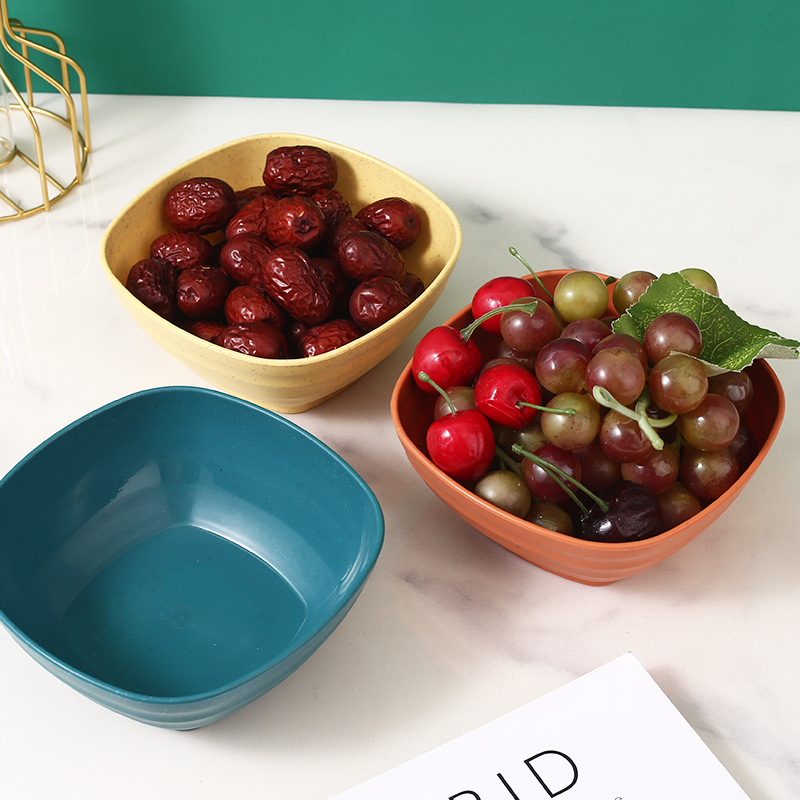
(368, 560)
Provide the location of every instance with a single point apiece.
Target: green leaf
(729, 343)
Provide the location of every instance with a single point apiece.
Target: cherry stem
(506, 460)
(425, 378)
(514, 252)
(568, 411)
(475, 324)
(606, 399)
(559, 476)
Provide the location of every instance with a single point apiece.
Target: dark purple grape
(744, 447)
(622, 340)
(708, 474)
(658, 470)
(633, 514)
(541, 481)
(598, 470)
(528, 333)
(622, 438)
(589, 331)
(736, 386)
(677, 505)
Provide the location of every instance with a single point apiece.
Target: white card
(609, 735)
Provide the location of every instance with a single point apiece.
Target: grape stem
(641, 406)
(514, 252)
(560, 477)
(646, 424)
(475, 324)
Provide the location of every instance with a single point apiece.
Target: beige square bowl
(284, 385)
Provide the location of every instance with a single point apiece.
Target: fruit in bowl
(589, 478)
(304, 222)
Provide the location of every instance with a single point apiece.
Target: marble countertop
(451, 630)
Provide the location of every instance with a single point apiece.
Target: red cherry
(448, 358)
(496, 293)
(501, 391)
(461, 444)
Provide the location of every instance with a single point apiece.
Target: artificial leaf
(729, 343)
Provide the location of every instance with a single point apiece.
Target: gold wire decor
(23, 44)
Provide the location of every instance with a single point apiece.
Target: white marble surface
(451, 630)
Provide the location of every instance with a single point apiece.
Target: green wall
(685, 53)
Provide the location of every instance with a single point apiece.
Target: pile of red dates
(284, 269)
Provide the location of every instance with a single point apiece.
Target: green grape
(572, 431)
(701, 279)
(579, 295)
(550, 516)
(505, 489)
(629, 288)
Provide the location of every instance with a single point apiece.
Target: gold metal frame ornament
(23, 44)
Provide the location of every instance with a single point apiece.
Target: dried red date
(295, 330)
(295, 285)
(252, 218)
(328, 336)
(413, 285)
(252, 304)
(241, 257)
(245, 196)
(332, 203)
(253, 339)
(183, 249)
(394, 218)
(376, 301)
(337, 281)
(366, 254)
(202, 291)
(299, 169)
(296, 221)
(206, 329)
(200, 205)
(154, 282)
(336, 231)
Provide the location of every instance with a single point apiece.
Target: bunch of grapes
(629, 438)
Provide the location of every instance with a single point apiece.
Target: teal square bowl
(177, 553)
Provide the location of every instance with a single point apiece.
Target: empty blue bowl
(177, 553)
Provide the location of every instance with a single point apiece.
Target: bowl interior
(191, 540)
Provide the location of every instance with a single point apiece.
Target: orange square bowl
(594, 563)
